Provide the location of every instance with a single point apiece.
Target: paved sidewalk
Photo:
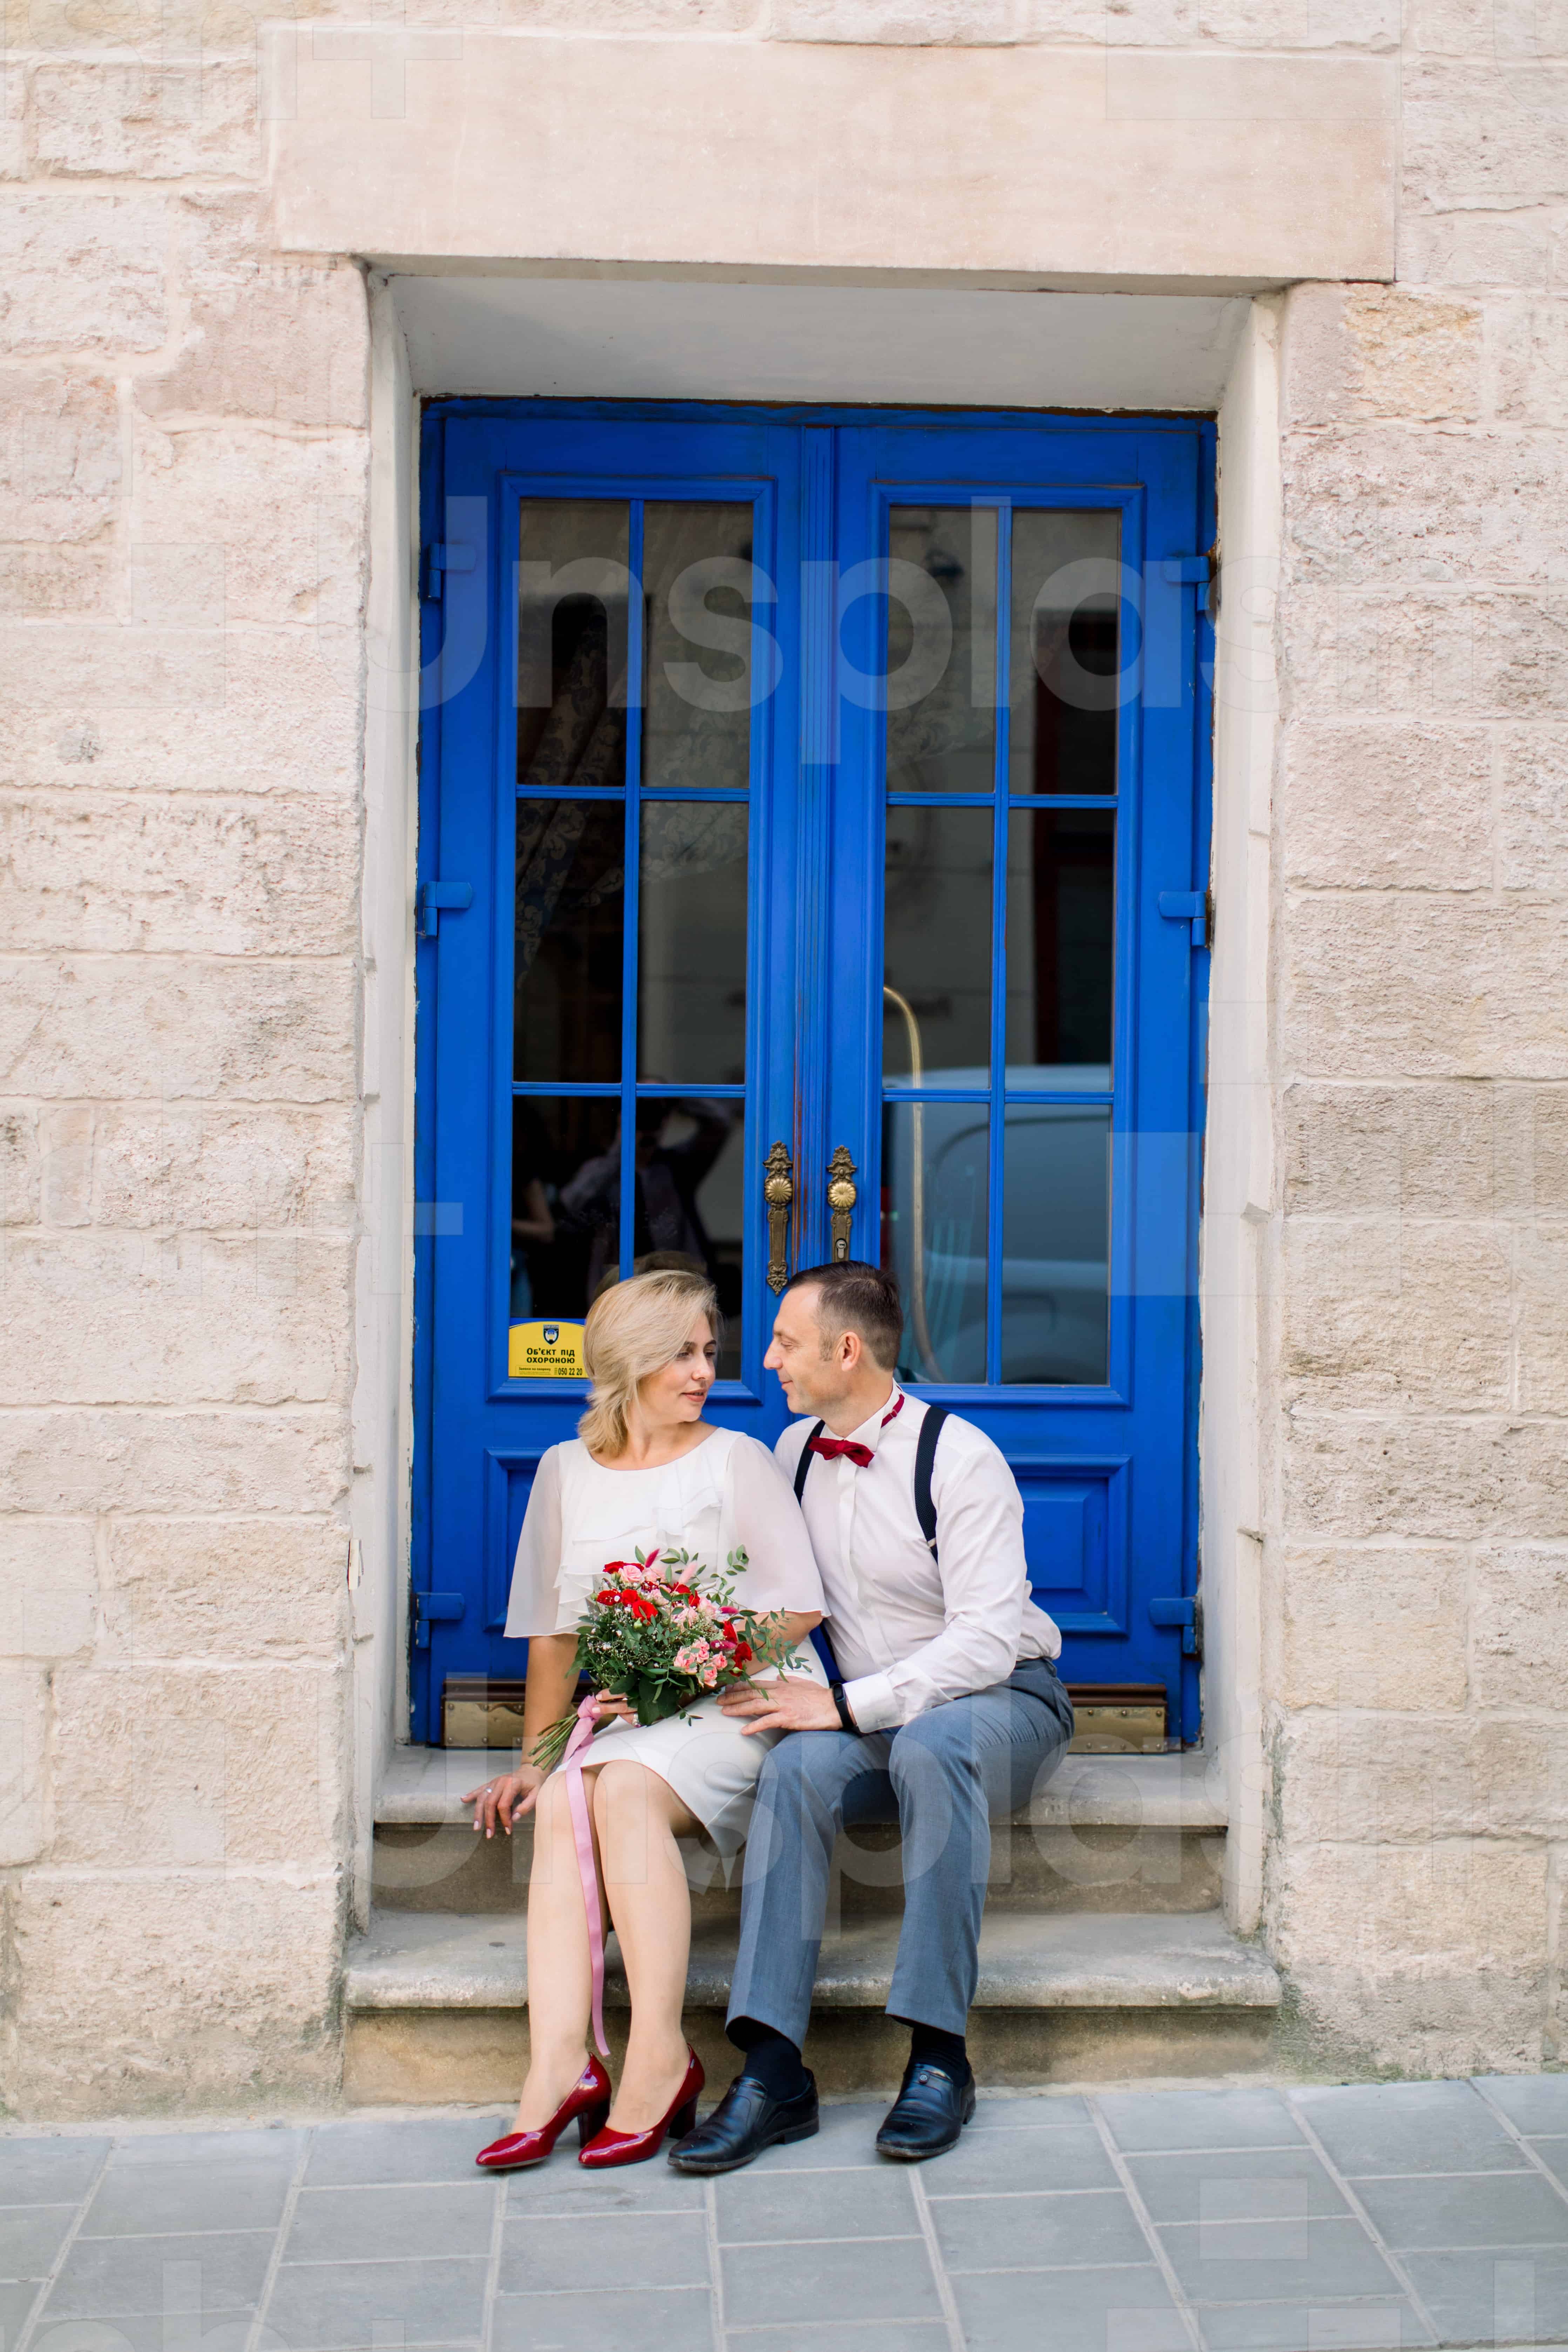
(1183, 2220)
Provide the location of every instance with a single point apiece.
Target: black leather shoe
(926, 2116)
(747, 2119)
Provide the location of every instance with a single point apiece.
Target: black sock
(772, 2059)
(928, 2046)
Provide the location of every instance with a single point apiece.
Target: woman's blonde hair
(633, 1329)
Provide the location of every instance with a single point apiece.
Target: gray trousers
(939, 1778)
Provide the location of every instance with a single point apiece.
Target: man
(950, 1704)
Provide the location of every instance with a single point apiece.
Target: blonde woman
(644, 1470)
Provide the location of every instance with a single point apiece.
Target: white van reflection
(1055, 1217)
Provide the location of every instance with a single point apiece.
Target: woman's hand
(611, 1702)
(506, 1799)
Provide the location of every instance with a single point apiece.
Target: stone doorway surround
(1013, 269)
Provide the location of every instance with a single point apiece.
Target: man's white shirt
(908, 1631)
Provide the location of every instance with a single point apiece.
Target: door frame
(813, 823)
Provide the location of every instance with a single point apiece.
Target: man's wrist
(842, 1703)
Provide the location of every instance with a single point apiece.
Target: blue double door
(813, 840)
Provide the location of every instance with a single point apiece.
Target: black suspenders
(925, 1460)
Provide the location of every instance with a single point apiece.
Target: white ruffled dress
(726, 1492)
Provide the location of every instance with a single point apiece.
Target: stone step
(1183, 1791)
(436, 2003)
(1104, 1834)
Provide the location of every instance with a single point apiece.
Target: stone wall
(1416, 1569)
(184, 498)
(183, 482)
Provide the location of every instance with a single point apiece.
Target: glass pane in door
(1061, 947)
(1065, 653)
(935, 1181)
(996, 1196)
(936, 946)
(941, 649)
(631, 897)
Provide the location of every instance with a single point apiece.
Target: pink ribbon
(577, 1798)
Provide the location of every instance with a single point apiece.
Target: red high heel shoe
(609, 2147)
(588, 2100)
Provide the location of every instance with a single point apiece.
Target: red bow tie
(830, 1448)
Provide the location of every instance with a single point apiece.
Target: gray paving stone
(48, 2171)
(827, 2336)
(992, 2234)
(1066, 2311)
(154, 2331)
(1049, 2111)
(1072, 2157)
(271, 2144)
(16, 2303)
(1266, 2184)
(391, 2222)
(104, 2277)
(1554, 2155)
(142, 2198)
(816, 2205)
(429, 2148)
(565, 2187)
(1476, 2210)
(1369, 2128)
(1532, 2103)
(1384, 2326)
(337, 2307)
(30, 2238)
(884, 2281)
(616, 2322)
(1143, 2121)
(609, 2251)
(848, 2137)
(1275, 2261)
(1504, 2298)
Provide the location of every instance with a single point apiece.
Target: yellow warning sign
(545, 1351)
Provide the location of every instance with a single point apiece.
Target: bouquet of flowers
(662, 1635)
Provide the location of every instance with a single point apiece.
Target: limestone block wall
(182, 484)
(1417, 1565)
(194, 1111)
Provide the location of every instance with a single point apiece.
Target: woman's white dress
(726, 1492)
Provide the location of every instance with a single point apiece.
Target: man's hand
(499, 1800)
(793, 1703)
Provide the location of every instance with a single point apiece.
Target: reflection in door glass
(573, 585)
(565, 1205)
(941, 649)
(1060, 947)
(936, 1000)
(1056, 1223)
(567, 969)
(691, 957)
(566, 1202)
(698, 584)
(1065, 652)
(934, 1182)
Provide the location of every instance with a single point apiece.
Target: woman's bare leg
(639, 1817)
(559, 1979)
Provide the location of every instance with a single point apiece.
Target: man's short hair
(856, 1296)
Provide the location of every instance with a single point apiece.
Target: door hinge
(1188, 1615)
(1199, 572)
(1191, 907)
(435, 1609)
(439, 558)
(434, 898)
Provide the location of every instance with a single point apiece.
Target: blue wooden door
(829, 786)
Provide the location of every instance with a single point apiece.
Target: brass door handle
(778, 1192)
(841, 1199)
